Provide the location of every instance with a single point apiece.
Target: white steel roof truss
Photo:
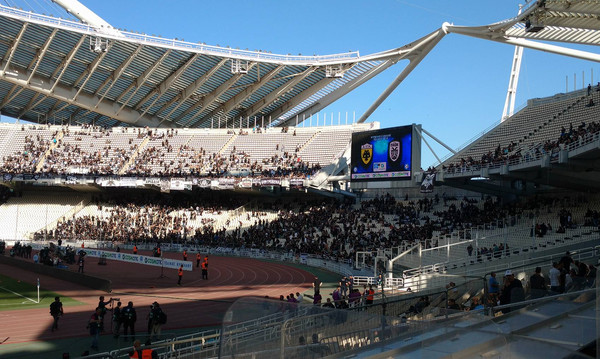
(66, 62)
(189, 91)
(62, 68)
(41, 53)
(333, 96)
(89, 72)
(87, 101)
(14, 92)
(214, 96)
(141, 80)
(14, 45)
(116, 75)
(233, 102)
(166, 84)
(265, 101)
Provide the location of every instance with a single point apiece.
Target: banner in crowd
(267, 182)
(245, 183)
(153, 181)
(177, 184)
(140, 259)
(427, 184)
(202, 183)
(296, 182)
(165, 184)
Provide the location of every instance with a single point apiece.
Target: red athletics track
(196, 303)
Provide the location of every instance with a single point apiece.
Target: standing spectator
(512, 292)
(343, 287)
(198, 256)
(354, 298)
(95, 326)
(317, 285)
(566, 262)
(180, 274)
(185, 254)
(56, 311)
(537, 284)
(493, 289)
(337, 297)
(117, 318)
(370, 295)
(554, 275)
(80, 263)
(129, 317)
(135, 250)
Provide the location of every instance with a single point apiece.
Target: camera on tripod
(116, 299)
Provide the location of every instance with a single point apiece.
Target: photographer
(129, 317)
(102, 306)
(56, 311)
(156, 319)
(95, 327)
(117, 317)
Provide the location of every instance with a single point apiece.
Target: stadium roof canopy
(567, 21)
(56, 70)
(88, 72)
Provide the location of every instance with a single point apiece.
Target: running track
(196, 303)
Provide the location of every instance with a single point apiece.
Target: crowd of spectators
(145, 219)
(512, 151)
(328, 228)
(107, 151)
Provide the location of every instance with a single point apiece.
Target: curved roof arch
(56, 70)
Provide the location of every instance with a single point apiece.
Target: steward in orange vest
(180, 275)
(204, 270)
(139, 353)
(370, 295)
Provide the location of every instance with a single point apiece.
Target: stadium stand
(445, 246)
(543, 125)
(81, 150)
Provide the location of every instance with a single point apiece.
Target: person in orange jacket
(185, 255)
(139, 353)
(204, 270)
(180, 274)
(134, 249)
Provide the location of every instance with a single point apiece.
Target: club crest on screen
(366, 153)
(394, 150)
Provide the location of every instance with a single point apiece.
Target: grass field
(15, 294)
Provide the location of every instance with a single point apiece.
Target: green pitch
(16, 294)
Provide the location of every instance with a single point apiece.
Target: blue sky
(456, 92)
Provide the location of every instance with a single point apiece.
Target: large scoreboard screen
(384, 154)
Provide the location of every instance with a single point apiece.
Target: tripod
(162, 267)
